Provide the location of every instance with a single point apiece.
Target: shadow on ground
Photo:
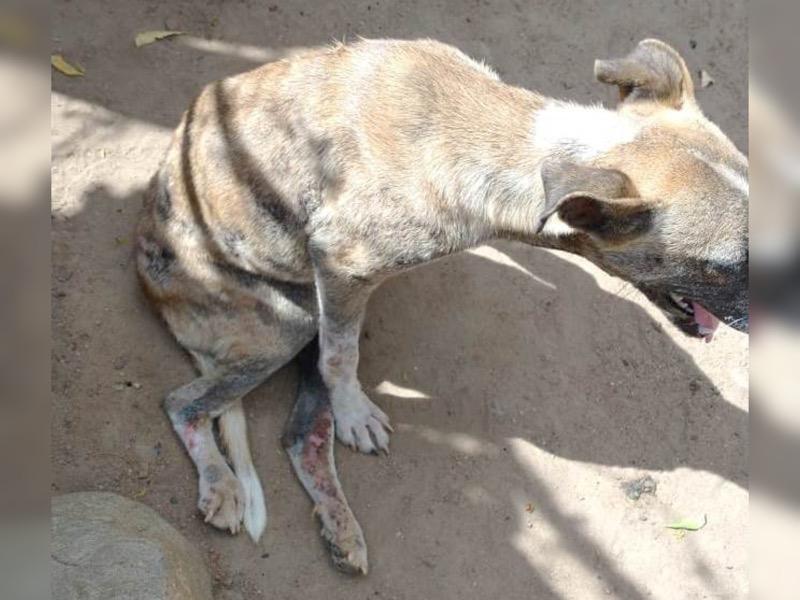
(493, 366)
(478, 359)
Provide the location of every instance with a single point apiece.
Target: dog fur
(289, 193)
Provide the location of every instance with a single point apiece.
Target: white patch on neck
(582, 131)
(555, 227)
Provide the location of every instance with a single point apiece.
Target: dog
(289, 193)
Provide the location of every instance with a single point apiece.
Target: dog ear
(601, 202)
(653, 71)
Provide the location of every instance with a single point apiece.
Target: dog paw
(350, 556)
(346, 543)
(222, 498)
(360, 424)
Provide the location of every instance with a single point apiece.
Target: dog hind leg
(192, 408)
(309, 440)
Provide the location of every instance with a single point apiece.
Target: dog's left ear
(653, 71)
(601, 202)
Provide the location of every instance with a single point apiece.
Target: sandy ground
(525, 394)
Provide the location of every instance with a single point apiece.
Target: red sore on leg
(315, 460)
(189, 435)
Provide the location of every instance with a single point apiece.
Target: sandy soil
(529, 390)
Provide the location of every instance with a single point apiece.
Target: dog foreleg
(308, 440)
(359, 422)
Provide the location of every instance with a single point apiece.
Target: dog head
(667, 207)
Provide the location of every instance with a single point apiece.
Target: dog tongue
(707, 323)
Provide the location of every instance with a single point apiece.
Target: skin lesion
(212, 473)
(331, 367)
(190, 435)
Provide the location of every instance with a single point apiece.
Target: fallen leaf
(60, 64)
(148, 37)
(705, 79)
(530, 507)
(689, 524)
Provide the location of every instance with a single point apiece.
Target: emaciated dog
(289, 193)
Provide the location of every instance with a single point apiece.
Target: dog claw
(361, 425)
(221, 501)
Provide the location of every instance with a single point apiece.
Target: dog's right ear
(653, 71)
(602, 203)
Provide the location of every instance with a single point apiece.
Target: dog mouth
(691, 316)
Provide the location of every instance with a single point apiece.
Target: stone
(106, 546)
(635, 488)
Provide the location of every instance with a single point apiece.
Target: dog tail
(233, 430)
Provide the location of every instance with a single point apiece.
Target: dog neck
(579, 133)
(511, 199)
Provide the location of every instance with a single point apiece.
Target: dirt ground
(529, 391)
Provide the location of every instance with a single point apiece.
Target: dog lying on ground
(289, 193)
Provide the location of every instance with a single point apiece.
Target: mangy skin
(289, 193)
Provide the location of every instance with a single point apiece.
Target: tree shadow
(482, 355)
(606, 383)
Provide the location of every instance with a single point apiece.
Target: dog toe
(380, 436)
(222, 501)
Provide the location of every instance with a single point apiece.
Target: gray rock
(635, 488)
(105, 546)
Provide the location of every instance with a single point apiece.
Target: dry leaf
(61, 65)
(148, 37)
